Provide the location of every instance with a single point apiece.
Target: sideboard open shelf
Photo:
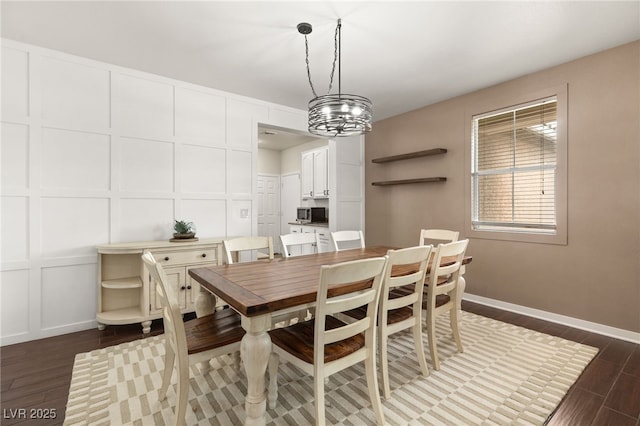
(416, 154)
(127, 295)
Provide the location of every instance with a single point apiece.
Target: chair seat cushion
(298, 339)
(212, 331)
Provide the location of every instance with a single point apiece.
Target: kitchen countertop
(320, 224)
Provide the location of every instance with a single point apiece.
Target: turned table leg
(255, 350)
(462, 284)
(205, 303)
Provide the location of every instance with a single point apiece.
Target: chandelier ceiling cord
(338, 114)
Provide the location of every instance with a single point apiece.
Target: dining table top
(269, 285)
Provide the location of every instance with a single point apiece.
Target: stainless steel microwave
(312, 215)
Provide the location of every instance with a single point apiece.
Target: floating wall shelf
(403, 181)
(425, 153)
(434, 151)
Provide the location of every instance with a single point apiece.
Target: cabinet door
(191, 293)
(321, 173)
(307, 175)
(176, 280)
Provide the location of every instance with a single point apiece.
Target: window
(514, 169)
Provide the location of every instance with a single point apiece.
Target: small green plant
(183, 227)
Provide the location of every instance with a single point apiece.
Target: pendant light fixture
(337, 114)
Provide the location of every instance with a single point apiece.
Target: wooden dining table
(263, 289)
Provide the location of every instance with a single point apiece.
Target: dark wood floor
(36, 375)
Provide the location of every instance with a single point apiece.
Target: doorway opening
(278, 178)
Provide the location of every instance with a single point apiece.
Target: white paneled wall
(93, 153)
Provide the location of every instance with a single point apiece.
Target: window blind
(514, 169)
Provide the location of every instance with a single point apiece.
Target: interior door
(290, 200)
(268, 192)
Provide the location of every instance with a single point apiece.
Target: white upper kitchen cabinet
(315, 173)
(306, 176)
(321, 173)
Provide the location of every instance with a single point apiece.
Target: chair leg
(318, 394)
(302, 315)
(455, 327)
(372, 384)
(272, 395)
(384, 363)
(431, 335)
(169, 359)
(236, 360)
(417, 338)
(204, 367)
(182, 393)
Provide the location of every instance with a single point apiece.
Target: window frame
(493, 104)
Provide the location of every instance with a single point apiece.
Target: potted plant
(184, 230)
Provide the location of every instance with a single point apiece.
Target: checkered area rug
(506, 375)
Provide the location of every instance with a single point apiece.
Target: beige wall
(596, 276)
(269, 161)
(286, 161)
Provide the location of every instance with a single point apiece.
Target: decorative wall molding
(95, 153)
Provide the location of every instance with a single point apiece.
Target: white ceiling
(402, 55)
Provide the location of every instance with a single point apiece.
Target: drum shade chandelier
(337, 114)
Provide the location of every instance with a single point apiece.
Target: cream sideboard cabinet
(126, 293)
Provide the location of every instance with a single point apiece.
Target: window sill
(558, 238)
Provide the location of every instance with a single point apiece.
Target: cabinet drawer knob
(188, 287)
(183, 288)
(166, 259)
(204, 254)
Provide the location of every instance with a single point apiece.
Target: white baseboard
(47, 332)
(593, 327)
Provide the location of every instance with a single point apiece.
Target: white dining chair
(294, 244)
(405, 270)
(344, 240)
(430, 236)
(235, 247)
(324, 345)
(441, 236)
(195, 341)
(441, 294)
